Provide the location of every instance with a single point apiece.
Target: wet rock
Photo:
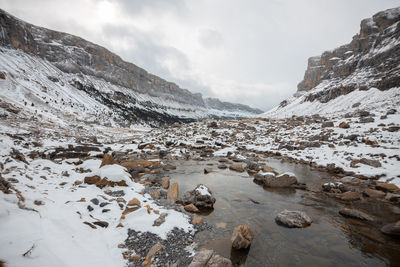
(242, 237)
(173, 192)
(386, 187)
(201, 197)
(372, 193)
(266, 168)
(152, 252)
(349, 196)
(165, 183)
(391, 229)
(101, 224)
(283, 180)
(355, 214)
(393, 197)
(219, 261)
(293, 219)
(253, 166)
(236, 167)
(191, 208)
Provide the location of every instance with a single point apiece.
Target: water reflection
(330, 241)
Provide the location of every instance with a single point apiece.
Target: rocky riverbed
(309, 189)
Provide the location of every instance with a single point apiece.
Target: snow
(114, 173)
(203, 190)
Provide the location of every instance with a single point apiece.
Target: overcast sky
(248, 51)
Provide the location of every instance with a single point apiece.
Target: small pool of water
(331, 240)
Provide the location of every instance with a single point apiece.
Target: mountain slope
(132, 94)
(370, 60)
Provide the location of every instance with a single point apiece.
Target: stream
(331, 240)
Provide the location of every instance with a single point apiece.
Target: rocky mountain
(129, 92)
(370, 60)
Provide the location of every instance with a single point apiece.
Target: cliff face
(217, 104)
(86, 64)
(371, 59)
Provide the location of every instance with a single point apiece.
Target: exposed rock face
(74, 55)
(372, 56)
(293, 219)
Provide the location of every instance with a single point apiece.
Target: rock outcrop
(372, 57)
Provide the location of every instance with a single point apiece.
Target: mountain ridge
(74, 55)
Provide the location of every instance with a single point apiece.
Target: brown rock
(101, 224)
(356, 214)
(392, 188)
(242, 237)
(155, 194)
(152, 252)
(219, 261)
(282, 180)
(191, 208)
(197, 220)
(107, 160)
(373, 193)
(173, 192)
(91, 179)
(344, 125)
(134, 202)
(349, 196)
(236, 167)
(148, 208)
(165, 183)
(91, 225)
(142, 163)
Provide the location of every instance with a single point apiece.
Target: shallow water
(331, 240)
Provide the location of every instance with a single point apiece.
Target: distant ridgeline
(137, 95)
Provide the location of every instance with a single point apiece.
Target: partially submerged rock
(293, 219)
(208, 258)
(355, 214)
(391, 229)
(282, 180)
(236, 167)
(201, 197)
(173, 192)
(242, 237)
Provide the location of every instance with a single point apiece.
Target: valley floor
(60, 207)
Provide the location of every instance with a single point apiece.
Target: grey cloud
(210, 38)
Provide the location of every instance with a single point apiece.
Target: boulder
(201, 197)
(293, 219)
(355, 214)
(372, 193)
(173, 192)
(208, 258)
(242, 237)
(385, 187)
(391, 229)
(236, 167)
(282, 180)
(371, 162)
(336, 187)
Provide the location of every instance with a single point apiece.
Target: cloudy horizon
(252, 52)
